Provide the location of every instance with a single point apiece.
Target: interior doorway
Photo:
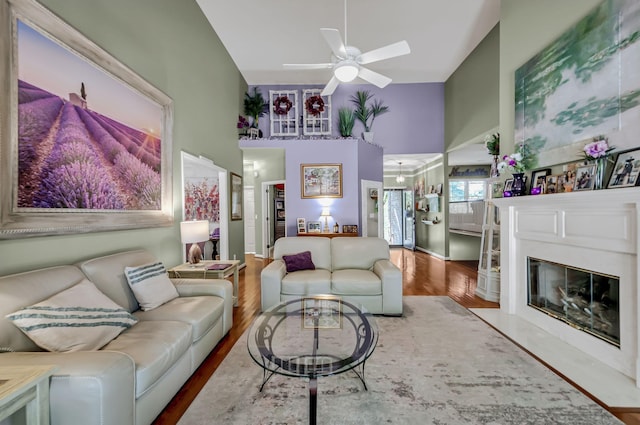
(274, 213)
(399, 218)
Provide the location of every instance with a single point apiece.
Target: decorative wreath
(314, 105)
(282, 105)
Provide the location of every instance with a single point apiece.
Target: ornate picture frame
(83, 125)
(236, 197)
(321, 181)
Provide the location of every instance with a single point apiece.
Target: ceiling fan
(347, 61)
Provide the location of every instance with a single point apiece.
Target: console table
(329, 235)
(202, 270)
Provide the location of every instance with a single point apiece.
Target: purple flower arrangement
(513, 162)
(598, 148)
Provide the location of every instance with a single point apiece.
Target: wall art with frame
(85, 143)
(582, 85)
(204, 197)
(321, 180)
(236, 197)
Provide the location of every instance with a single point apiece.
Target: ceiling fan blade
(334, 40)
(308, 65)
(373, 77)
(387, 52)
(330, 87)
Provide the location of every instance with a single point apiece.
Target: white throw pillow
(80, 318)
(150, 285)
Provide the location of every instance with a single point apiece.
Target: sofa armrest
(88, 387)
(219, 287)
(271, 283)
(391, 278)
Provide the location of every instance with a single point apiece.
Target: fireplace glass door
(585, 300)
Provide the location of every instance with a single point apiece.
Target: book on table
(218, 266)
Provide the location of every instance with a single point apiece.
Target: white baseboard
(433, 254)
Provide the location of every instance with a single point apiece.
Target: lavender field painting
(87, 142)
(71, 155)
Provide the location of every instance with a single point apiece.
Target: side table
(203, 270)
(28, 387)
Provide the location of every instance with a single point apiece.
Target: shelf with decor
(488, 287)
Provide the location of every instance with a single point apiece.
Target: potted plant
(346, 121)
(365, 113)
(255, 106)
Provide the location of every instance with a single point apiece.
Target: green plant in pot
(255, 106)
(366, 113)
(346, 121)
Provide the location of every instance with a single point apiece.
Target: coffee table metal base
(313, 390)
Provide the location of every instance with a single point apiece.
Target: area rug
(438, 364)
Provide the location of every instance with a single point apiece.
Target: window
(466, 190)
(466, 205)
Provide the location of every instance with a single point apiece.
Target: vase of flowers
(492, 143)
(598, 152)
(515, 163)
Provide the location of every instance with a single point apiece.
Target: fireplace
(587, 300)
(569, 278)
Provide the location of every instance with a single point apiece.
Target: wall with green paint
(171, 45)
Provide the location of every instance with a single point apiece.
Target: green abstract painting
(586, 83)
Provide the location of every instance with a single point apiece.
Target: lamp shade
(346, 71)
(194, 231)
(325, 212)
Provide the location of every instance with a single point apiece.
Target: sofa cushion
(299, 261)
(79, 318)
(108, 274)
(201, 312)
(26, 288)
(307, 282)
(154, 346)
(150, 285)
(355, 282)
(319, 247)
(357, 253)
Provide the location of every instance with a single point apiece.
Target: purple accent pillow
(300, 261)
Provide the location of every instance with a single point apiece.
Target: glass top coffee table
(312, 337)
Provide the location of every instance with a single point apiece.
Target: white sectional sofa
(132, 378)
(357, 269)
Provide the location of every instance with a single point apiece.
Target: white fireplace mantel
(592, 230)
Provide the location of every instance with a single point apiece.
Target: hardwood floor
(422, 275)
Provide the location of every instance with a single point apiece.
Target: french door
(399, 216)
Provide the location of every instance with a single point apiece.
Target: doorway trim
(365, 185)
(266, 215)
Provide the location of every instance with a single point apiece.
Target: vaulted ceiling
(261, 35)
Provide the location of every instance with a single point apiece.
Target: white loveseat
(356, 269)
(132, 378)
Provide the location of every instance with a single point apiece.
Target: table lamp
(326, 214)
(193, 232)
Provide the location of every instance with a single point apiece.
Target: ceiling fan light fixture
(346, 71)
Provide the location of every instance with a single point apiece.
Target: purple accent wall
(360, 160)
(414, 123)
